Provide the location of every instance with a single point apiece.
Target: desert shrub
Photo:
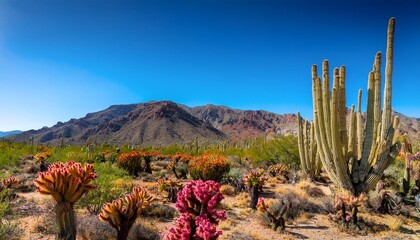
(310, 189)
(227, 190)
(209, 167)
(179, 165)
(112, 183)
(170, 186)
(137, 161)
(279, 171)
(159, 211)
(106, 156)
(274, 214)
(235, 179)
(11, 153)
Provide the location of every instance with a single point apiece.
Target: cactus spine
(309, 158)
(355, 160)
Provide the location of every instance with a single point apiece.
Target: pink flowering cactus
(199, 217)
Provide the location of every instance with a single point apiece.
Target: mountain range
(166, 122)
(4, 134)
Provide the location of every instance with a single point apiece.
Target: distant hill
(166, 122)
(4, 134)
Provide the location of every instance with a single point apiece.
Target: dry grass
(227, 190)
(396, 223)
(241, 200)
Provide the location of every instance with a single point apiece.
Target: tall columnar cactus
(122, 213)
(197, 204)
(309, 157)
(66, 183)
(254, 181)
(355, 159)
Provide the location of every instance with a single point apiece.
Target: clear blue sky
(62, 59)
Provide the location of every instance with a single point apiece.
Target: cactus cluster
(355, 159)
(66, 183)
(197, 202)
(42, 156)
(276, 219)
(137, 161)
(170, 186)
(179, 165)
(308, 153)
(347, 205)
(122, 213)
(279, 171)
(254, 181)
(9, 182)
(209, 167)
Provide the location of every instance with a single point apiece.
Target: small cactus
(347, 201)
(122, 213)
(9, 182)
(169, 185)
(66, 183)
(255, 180)
(276, 220)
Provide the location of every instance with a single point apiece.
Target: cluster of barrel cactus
(197, 202)
(276, 218)
(122, 213)
(209, 167)
(254, 181)
(66, 183)
(347, 205)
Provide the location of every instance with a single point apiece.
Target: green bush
(112, 182)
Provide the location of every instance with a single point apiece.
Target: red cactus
(199, 217)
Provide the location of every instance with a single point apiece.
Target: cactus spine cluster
(353, 159)
(122, 213)
(309, 157)
(66, 183)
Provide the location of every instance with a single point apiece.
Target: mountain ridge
(167, 122)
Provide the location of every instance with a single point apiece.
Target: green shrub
(112, 183)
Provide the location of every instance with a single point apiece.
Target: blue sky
(62, 59)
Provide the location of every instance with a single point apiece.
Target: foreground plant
(347, 206)
(197, 203)
(66, 183)
(170, 186)
(354, 156)
(122, 213)
(276, 219)
(254, 181)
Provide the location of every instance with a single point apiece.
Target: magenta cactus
(199, 217)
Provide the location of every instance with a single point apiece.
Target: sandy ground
(35, 219)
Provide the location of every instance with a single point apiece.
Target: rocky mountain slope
(166, 123)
